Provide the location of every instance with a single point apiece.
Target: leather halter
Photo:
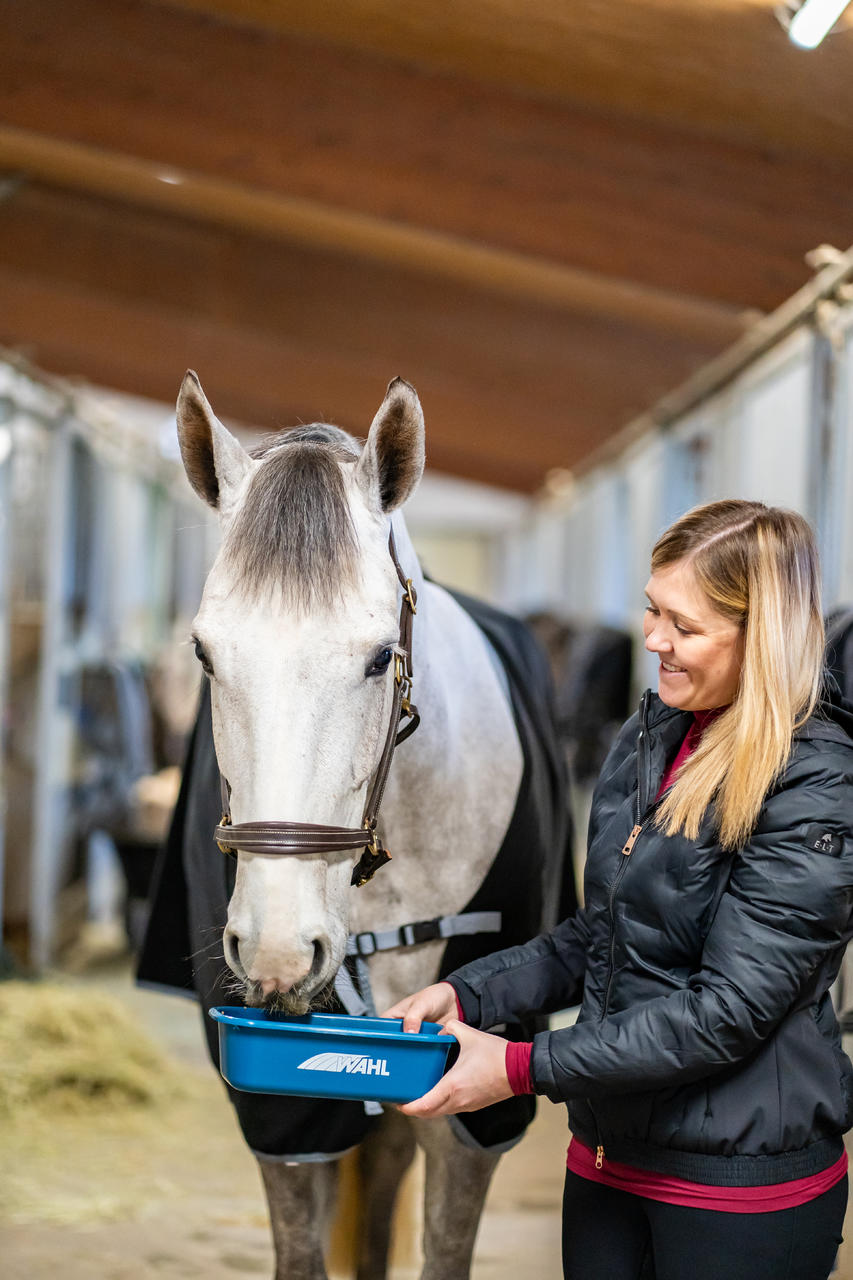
(311, 837)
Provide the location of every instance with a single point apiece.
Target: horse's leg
(301, 1198)
(457, 1179)
(383, 1157)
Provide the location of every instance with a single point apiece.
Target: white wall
(843, 470)
(765, 436)
(457, 529)
(770, 428)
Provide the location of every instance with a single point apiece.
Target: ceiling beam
(596, 190)
(721, 66)
(133, 348)
(317, 226)
(513, 389)
(542, 269)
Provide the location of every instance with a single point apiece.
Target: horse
(304, 645)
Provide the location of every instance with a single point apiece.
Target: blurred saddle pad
(530, 882)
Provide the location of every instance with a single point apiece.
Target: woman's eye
(381, 662)
(206, 665)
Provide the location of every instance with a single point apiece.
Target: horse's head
(296, 632)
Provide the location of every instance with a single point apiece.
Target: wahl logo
(351, 1064)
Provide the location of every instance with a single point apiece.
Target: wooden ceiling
(544, 214)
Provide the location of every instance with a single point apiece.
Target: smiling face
(700, 650)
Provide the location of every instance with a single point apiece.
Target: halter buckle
(411, 597)
(225, 821)
(404, 682)
(373, 840)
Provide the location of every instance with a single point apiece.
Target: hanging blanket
(530, 883)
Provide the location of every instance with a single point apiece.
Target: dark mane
(294, 529)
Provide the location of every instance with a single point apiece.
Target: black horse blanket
(530, 882)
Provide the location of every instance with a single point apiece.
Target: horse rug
(530, 883)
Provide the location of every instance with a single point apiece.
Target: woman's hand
(477, 1079)
(431, 1004)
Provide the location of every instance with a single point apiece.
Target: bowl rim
(328, 1025)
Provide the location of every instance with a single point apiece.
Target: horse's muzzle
(282, 992)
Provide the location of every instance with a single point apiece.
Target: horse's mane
(294, 529)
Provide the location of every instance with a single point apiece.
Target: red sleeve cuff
(518, 1065)
(459, 1014)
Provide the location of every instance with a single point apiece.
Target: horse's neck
(453, 784)
(458, 684)
(462, 694)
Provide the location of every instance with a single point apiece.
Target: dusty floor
(177, 1194)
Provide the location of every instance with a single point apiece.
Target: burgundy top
(581, 1160)
(701, 720)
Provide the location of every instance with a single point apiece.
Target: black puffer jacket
(707, 1046)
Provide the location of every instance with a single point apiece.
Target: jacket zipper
(599, 1145)
(643, 757)
(627, 849)
(643, 767)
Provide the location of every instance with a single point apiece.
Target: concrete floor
(178, 1195)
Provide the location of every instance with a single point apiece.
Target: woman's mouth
(671, 670)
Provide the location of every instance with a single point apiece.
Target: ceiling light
(813, 20)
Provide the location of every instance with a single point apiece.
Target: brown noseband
(311, 837)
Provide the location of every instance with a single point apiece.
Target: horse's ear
(215, 462)
(392, 461)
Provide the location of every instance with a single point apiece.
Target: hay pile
(68, 1051)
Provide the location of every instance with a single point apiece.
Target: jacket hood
(834, 713)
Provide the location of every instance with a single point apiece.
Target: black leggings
(613, 1235)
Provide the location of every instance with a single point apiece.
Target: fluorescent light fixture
(813, 20)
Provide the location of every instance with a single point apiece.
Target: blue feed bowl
(326, 1055)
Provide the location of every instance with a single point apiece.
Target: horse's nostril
(320, 953)
(231, 947)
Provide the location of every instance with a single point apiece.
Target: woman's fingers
(438, 1102)
(477, 1079)
(436, 1003)
(401, 1008)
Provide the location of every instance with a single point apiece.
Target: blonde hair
(758, 566)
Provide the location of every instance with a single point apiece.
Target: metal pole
(829, 284)
(826, 477)
(6, 440)
(47, 826)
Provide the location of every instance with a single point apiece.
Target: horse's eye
(206, 664)
(381, 662)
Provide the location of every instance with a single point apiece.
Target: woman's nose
(657, 641)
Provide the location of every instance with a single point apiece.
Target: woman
(705, 1081)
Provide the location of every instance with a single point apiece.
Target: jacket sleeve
(540, 976)
(785, 914)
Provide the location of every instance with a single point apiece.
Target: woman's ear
(392, 461)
